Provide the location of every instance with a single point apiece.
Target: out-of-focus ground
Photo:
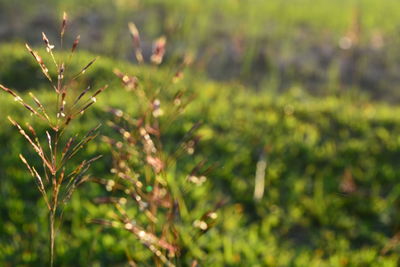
(299, 108)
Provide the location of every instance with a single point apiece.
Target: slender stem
(52, 235)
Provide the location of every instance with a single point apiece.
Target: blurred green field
(321, 46)
(331, 195)
(311, 87)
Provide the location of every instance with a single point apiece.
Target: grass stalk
(61, 179)
(52, 236)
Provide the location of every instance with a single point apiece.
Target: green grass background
(312, 142)
(304, 217)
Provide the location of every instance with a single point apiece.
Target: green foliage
(331, 196)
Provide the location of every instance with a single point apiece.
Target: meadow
(328, 146)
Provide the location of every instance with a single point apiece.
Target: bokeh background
(311, 88)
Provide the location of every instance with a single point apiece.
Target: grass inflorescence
(57, 179)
